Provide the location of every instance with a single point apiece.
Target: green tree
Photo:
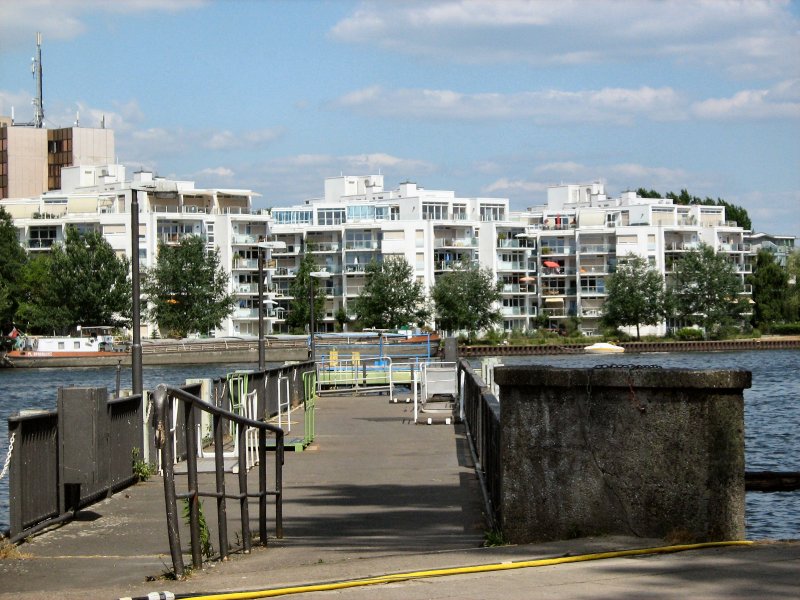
(770, 291)
(187, 289)
(644, 193)
(39, 311)
(392, 297)
(793, 291)
(706, 288)
(91, 280)
(636, 295)
(81, 281)
(12, 262)
(464, 300)
(732, 211)
(299, 314)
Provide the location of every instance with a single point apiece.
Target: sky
(497, 98)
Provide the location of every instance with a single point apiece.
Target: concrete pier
(374, 495)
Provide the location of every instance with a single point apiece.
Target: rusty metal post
(241, 430)
(262, 486)
(219, 470)
(191, 473)
(162, 422)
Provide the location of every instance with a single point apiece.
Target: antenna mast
(36, 70)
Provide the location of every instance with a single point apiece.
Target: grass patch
(9, 551)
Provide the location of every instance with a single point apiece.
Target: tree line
(83, 281)
(704, 290)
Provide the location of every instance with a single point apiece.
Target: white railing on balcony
(596, 248)
(324, 246)
(466, 242)
(361, 245)
(505, 265)
(245, 263)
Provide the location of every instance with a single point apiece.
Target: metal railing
(164, 398)
(46, 485)
(480, 412)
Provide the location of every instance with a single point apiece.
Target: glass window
(330, 216)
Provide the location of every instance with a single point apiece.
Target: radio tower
(36, 70)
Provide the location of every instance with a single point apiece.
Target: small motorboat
(603, 348)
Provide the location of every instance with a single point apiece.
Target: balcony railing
(596, 248)
(324, 246)
(365, 245)
(505, 265)
(465, 242)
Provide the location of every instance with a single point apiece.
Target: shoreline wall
(646, 452)
(789, 343)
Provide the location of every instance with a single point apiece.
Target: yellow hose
(251, 595)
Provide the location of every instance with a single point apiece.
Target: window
(491, 212)
(360, 213)
(330, 216)
(434, 211)
(293, 217)
(42, 237)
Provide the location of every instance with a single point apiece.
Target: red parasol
(551, 264)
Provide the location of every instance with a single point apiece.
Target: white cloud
(215, 173)
(228, 140)
(781, 101)
(64, 19)
(745, 37)
(614, 105)
(776, 212)
(507, 186)
(531, 190)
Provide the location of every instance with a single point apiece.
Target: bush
(786, 329)
(688, 334)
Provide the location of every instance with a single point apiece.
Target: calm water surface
(772, 412)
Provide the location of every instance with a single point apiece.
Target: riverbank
(763, 343)
(185, 352)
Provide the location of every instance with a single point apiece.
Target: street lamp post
(314, 275)
(269, 247)
(136, 347)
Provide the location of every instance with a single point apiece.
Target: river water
(772, 412)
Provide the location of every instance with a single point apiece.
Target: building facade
(552, 261)
(31, 158)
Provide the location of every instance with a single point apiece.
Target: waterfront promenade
(376, 494)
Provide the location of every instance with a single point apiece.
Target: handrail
(164, 440)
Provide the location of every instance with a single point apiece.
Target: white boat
(603, 348)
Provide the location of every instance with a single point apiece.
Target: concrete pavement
(374, 495)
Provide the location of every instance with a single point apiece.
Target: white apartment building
(98, 198)
(552, 260)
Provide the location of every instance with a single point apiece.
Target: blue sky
(487, 98)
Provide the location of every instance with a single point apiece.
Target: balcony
(465, 242)
(596, 248)
(593, 290)
(355, 268)
(513, 311)
(523, 244)
(40, 244)
(362, 245)
(245, 264)
(734, 248)
(324, 246)
(506, 265)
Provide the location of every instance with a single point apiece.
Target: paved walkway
(374, 495)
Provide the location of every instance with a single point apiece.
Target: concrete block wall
(648, 452)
